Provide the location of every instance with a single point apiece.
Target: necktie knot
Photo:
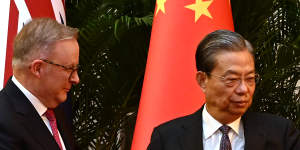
(225, 129)
(50, 115)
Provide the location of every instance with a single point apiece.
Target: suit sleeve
(156, 141)
(292, 137)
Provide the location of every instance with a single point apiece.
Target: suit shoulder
(180, 122)
(7, 111)
(269, 121)
(280, 132)
(266, 117)
(5, 103)
(169, 133)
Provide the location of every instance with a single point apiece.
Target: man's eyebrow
(232, 72)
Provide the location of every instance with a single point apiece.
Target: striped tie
(225, 142)
(52, 120)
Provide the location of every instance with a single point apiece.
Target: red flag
(170, 89)
(16, 13)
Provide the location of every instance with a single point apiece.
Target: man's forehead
(233, 55)
(238, 62)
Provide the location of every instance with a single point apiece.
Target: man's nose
(242, 87)
(74, 79)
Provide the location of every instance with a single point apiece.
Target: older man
(226, 74)
(45, 62)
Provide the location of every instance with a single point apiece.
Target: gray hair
(217, 42)
(38, 37)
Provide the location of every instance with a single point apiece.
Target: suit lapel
(192, 137)
(39, 131)
(29, 118)
(253, 133)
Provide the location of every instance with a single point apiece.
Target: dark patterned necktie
(225, 142)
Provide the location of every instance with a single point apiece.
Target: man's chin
(239, 112)
(61, 99)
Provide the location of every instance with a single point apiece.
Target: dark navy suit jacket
(261, 131)
(21, 127)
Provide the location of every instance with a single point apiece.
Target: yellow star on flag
(200, 8)
(160, 6)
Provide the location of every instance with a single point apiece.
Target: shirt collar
(211, 125)
(39, 107)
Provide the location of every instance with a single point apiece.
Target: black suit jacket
(21, 127)
(261, 131)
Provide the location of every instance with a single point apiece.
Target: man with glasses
(226, 74)
(45, 63)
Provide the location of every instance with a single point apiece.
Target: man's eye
(250, 79)
(231, 80)
(69, 68)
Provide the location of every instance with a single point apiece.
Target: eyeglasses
(72, 69)
(229, 81)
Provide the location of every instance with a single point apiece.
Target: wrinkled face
(230, 86)
(56, 81)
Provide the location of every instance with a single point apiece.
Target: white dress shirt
(39, 107)
(212, 135)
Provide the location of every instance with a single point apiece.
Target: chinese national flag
(170, 89)
(14, 15)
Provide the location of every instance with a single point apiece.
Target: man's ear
(201, 79)
(35, 68)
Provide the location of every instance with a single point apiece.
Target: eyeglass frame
(236, 81)
(64, 67)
